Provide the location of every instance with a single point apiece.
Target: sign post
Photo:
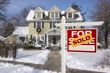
(63, 24)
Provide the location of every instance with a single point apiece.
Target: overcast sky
(16, 5)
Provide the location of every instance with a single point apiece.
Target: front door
(54, 40)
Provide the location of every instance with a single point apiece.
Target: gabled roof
(54, 9)
(39, 9)
(70, 9)
(30, 15)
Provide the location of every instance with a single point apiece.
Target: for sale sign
(81, 40)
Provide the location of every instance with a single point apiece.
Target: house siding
(32, 30)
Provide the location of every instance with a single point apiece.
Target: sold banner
(81, 40)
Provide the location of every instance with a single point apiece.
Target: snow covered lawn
(30, 56)
(10, 68)
(86, 61)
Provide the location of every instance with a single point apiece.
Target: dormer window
(70, 15)
(76, 16)
(39, 15)
(55, 15)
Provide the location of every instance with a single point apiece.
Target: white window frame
(67, 15)
(54, 15)
(41, 15)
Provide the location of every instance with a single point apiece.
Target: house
(41, 24)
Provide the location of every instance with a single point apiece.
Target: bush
(30, 45)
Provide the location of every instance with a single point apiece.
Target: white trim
(98, 23)
(47, 39)
(72, 15)
(36, 39)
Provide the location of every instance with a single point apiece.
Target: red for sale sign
(81, 40)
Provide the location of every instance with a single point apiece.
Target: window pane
(54, 24)
(38, 24)
(76, 16)
(52, 15)
(38, 15)
(56, 15)
(69, 15)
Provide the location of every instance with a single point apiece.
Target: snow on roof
(30, 15)
(21, 31)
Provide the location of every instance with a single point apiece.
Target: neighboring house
(22, 34)
(41, 24)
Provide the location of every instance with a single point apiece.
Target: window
(39, 15)
(39, 24)
(52, 24)
(34, 38)
(22, 39)
(69, 15)
(38, 38)
(76, 16)
(52, 15)
(56, 15)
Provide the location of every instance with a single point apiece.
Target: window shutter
(50, 24)
(34, 24)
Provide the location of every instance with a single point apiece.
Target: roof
(30, 15)
(21, 31)
(54, 9)
(39, 9)
(70, 9)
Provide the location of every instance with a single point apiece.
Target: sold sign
(81, 40)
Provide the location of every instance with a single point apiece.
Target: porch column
(47, 40)
(36, 40)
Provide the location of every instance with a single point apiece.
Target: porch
(52, 38)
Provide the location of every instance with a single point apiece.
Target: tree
(76, 7)
(9, 28)
(3, 5)
(102, 13)
(20, 18)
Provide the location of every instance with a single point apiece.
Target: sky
(16, 6)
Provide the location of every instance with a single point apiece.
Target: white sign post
(63, 24)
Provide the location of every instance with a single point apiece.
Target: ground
(46, 61)
(83, 61)
(37, 59)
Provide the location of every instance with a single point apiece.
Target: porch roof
(54, 32)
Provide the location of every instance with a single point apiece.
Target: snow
(30, 15)
(35, 57)
(21, 31)
(86, 61)
(10, 68)
(30, 56)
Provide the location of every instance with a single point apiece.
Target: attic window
(39, 15)
(76, 16)
(69, 15)
(54, 15)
